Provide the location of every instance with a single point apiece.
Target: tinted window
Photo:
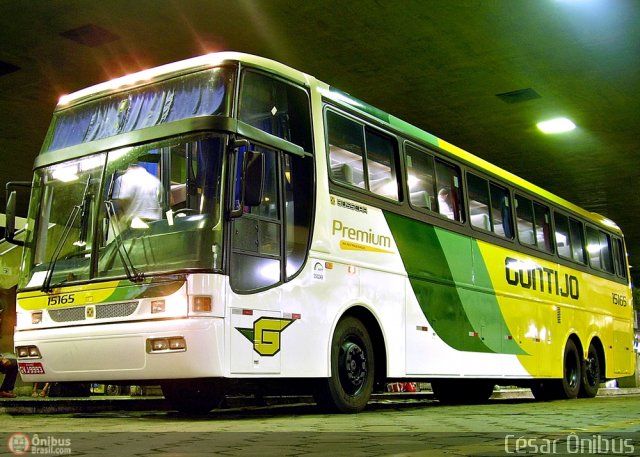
(421, 179)
(569, 238)
(599, 249)
(489, 207)
(619, 257)
(448, 183)
(533, 223)
(361, 156)
(346, 150)
(381, 165)
(542, 216)
(276, 107)
(478, 202)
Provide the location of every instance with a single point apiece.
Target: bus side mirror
(10, 228)
(250, 180)
(253, 179)
(10, 225)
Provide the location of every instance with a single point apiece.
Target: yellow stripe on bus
(62, 297)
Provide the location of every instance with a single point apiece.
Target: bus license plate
(31, 368)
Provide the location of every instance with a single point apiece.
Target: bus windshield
(153, 208)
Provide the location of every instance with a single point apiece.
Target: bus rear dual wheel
(580, 378)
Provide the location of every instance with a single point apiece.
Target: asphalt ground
(101, 403)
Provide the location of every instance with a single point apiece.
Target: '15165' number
(619, 299)
(65, 299)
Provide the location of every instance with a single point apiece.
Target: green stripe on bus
(359, 104)
(452, 286)
(149, 289)
(476, 291)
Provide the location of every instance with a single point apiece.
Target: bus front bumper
(131, 351)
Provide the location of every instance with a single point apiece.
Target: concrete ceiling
(438, 64)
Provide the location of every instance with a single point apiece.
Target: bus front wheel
(350, 385)
(193, 396)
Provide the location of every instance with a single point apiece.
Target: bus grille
(105, 311)
(67, 314)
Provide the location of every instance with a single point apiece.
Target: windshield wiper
(77, 209)
(129, 268)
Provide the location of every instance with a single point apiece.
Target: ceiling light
(557, 125)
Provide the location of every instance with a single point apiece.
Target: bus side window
(501, 211)
(524, 221)
(593, 248)
(478, 202)
(569, 238)
(562, 235)
(619, 257)
(577, 241)
(420, 178)
(599, 249)
(533, 222)
(381, 165)
(605, 252)
(542, 218)
(346, 149)
(489, 207)
(448, 182)
(298, 192)
(276, 107)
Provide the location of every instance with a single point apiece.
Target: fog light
(28, 352)
(36, 317)
(202, 304)
(177, 344)
(170, 344)
(159, 344)
(157, 306)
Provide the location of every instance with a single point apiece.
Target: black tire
(591, 374)
(350, 385)
(572, 372)
(462, 391)
(193, 396)
(571, 383)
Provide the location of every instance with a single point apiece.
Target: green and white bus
(299, 237)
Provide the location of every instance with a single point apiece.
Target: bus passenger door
(256, 266)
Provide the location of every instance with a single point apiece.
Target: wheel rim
(592, 370)
(352, 367)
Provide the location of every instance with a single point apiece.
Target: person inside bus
(9, 367)
(136, 196)
(444, 203)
